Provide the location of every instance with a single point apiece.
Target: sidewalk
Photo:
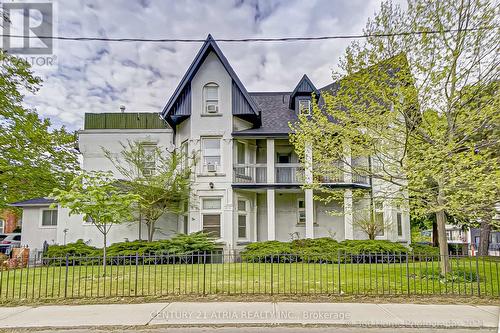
(251, 313)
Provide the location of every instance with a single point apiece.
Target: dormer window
(211, 98)
(304, 106)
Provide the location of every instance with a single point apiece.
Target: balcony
(287, 173)
(250, 173)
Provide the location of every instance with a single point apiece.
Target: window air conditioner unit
(212, 108)
(211, 167)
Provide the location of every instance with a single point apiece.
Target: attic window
(211, 98)
(304, 106)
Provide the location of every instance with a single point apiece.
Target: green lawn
(416, 278)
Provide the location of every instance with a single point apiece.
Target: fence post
(407, 275)
(136, 271)
(477, 276)
(340, 278)
(204, 270)
(272, 273)
(66, 276)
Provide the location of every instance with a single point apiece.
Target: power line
(246, 40)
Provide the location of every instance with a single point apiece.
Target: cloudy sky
(101, 76)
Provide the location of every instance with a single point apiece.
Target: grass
(467, 278)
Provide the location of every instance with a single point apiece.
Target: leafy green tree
(404, 114)
(162, 182)
(34, 158)
(100, 199)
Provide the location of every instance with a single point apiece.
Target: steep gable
(178, 107)
(305, 87)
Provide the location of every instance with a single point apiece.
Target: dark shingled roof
(34, 202)
(275, 114)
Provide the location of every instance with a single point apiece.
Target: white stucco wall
(92, 142)
(200, 125)
(77, 229)
(33, 234)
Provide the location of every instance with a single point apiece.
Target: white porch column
(271, 215)
(309, 213)
(270, 161)
(348, 216)
(347, 166)
(309, 201)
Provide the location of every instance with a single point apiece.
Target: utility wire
(246, 40)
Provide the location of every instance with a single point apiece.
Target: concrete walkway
(251, 313)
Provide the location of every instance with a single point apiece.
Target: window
(304, 106)
(399, 220)
(211, 98)
(240, 152)
(211, 216)
(149, 159)
(211, 203)
(301, 211)
(49, 218)
(1, 226)
(242, 219)
(211, 154)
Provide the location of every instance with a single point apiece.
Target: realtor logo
(33, 23)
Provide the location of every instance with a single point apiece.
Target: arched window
(211, 98)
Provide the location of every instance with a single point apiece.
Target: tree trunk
(484, 238)
(151, 230)
(140, 225)
(443, 243)
(104, 251)
(435, 237)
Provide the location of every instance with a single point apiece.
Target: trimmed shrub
(316, 250)
(372, 246)
(268, 251)
(422, 250)
(192, 243)
(79, 248)
(179, 244)
(324, 250)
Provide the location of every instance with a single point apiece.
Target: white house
(248, 182)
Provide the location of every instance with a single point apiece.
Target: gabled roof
(34, 202)
(275, 115)
(182, 93)
(304, 87)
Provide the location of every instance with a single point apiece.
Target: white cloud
(100, 76)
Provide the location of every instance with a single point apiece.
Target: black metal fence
(234, 273)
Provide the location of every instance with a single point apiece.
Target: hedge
(322, 250)
(179, 244)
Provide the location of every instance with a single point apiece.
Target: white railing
(289, 173)
(250, 173)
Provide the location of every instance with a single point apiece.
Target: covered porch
(288, 213)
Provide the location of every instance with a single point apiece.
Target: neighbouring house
(248, 179)
(9, 221)
(494, 242)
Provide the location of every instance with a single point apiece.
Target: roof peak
(182, 92)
